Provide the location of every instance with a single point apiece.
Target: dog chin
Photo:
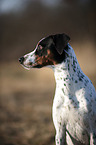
(27, 67)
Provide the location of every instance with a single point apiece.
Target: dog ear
(60, 41)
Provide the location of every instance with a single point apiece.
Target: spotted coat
(74, 105)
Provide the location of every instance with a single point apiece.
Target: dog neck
(68, 72)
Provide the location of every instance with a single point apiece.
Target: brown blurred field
(26, 97)
(25, 106)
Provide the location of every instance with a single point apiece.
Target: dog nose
(21, 60)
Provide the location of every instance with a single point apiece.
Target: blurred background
(26, 96)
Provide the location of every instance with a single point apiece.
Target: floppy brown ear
(60, 41)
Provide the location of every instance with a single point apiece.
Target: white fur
(74, 105)
(30, 57)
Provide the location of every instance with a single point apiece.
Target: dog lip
(31, 66)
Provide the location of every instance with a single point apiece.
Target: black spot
(74, 69)
(76, 81)
(68, 67)
(74, 64)
(87, 99)
(80, 79)
(80, 76)
(72, 78)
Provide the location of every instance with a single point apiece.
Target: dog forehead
(39, 43)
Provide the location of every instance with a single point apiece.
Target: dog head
(49, 51)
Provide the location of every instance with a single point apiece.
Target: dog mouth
(31, 65)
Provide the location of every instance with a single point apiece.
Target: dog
(74, 105)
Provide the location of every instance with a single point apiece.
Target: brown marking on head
(49, 51)
(44, 60)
